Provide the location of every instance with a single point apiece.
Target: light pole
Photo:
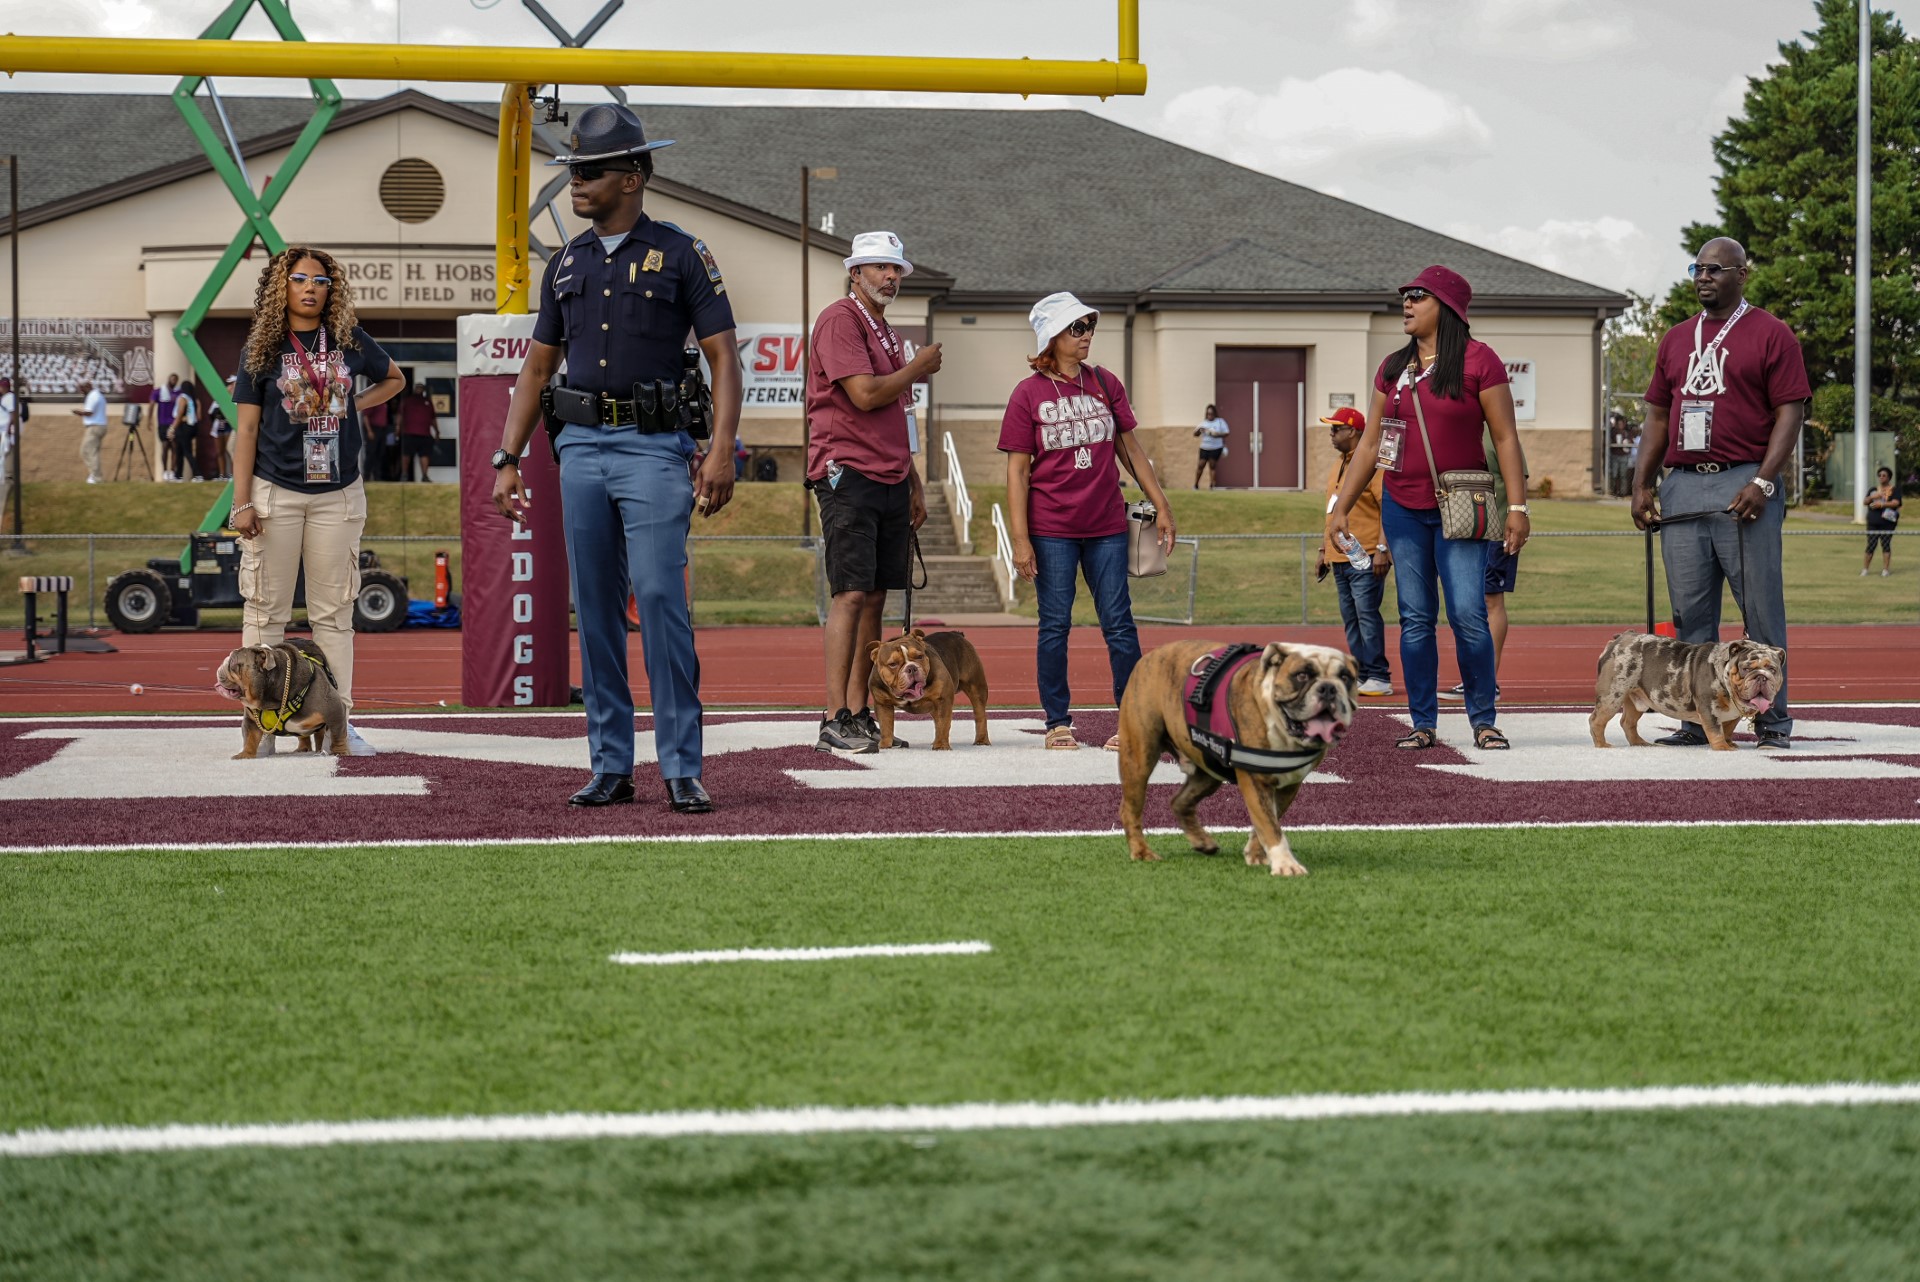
(19, 393)
(1863, 273)
(825, 173)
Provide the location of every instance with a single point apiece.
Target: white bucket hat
(1054, 313)
(879, 247)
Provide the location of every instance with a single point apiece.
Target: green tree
(1629, 342)
(1786, 192)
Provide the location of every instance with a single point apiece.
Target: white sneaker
(1458, 692)
(1886, 573)
(93, 480)
(356, 746)
(1374, 685)
(1863, 574)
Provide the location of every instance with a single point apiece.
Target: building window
(412, 190)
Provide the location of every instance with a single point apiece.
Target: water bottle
(1357, 556)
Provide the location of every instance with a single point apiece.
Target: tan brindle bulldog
(1291, 699)
(1713, 684)
(269, 679)
(922, 673)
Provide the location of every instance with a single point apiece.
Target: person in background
(93, 417)
(1359, 591)
(1883, 514)
(1066, 429)
(164, 398)
(1213, 446)
(740, 457)
(184, 440)
(9, 438)
(299, 503)
(222, 432)
(383, 443)
(419, 427)
(1440, 392)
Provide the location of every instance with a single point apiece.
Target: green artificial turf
(1746, 1195)
(148, 988)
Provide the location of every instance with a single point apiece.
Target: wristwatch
(1766, 487)
(501, 458)
(1521, 508)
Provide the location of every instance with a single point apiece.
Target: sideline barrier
(31, 586)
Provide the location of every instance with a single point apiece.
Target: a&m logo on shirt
(1083, 458)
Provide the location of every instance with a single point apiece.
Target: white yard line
(694, 839)
(946, 1117)
(959, 947)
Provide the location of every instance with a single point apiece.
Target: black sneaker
(864, 721)
(843, 734)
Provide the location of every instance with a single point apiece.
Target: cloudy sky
(1572, 134)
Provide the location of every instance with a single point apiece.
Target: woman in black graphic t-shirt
(298, 500)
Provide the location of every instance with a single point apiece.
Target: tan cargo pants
(91, 438)
(322, 533)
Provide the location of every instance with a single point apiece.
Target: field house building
(1217, 284)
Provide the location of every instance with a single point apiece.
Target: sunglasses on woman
(301, 278)
(1082, 327)
(1415, 295)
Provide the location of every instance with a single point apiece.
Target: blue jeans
(1360, 592)
(1058, 563)
(1426, 566)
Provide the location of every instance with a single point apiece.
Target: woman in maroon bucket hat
(1454, 384)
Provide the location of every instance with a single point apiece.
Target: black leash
(907, 626)
(1740, 598)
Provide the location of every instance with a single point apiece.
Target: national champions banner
(514, 612)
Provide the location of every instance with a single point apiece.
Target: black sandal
(1489, 739)
(1418, 741)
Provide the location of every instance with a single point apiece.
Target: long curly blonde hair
(269, 329)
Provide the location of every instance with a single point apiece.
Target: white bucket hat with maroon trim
(879, 247)
(1054, 313)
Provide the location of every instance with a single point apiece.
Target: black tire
(139, 601)
(382, 603)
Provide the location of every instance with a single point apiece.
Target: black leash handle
(1740, 597)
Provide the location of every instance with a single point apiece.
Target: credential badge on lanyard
(1393, 430)
(891, 344)
(321, 441)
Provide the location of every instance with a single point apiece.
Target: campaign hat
(1445, 284)
(606, 131)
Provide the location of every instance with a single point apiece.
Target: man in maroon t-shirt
(860, 466)
(1724, 408)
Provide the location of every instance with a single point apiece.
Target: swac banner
(514, 614)
(772, 378)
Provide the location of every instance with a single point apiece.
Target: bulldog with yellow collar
(286, 689)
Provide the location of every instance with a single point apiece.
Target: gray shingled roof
(1007, 202)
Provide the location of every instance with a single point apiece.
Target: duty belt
(654, 407)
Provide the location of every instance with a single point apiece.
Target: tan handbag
(1465, 495)
(1146, 559)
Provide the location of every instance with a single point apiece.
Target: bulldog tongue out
(915, 689)
(1760, 703)
(1325, 729)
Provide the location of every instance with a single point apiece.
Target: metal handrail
(957, 496)
(1003, 555)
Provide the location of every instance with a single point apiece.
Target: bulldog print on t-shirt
(1071, 428)
(309, 429)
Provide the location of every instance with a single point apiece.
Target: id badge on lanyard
(1696, 427)
(913, 431)
(1393, 436)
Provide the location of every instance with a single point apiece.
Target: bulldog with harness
(1260, 718)
(287, 689)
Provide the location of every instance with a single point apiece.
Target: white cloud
(1606, 251)
(1315, 131)
(1555, 30)
(1727, 103)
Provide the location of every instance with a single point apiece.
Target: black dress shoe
(688, 797)
(1684, 737)
(1775, 739)
(604, 790)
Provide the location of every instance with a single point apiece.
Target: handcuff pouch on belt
(654, 408)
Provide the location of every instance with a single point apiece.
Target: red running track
(781, 667)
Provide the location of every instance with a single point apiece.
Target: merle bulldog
(1715, 684)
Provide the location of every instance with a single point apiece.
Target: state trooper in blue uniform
(617, 303)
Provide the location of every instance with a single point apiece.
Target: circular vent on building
(412, 190)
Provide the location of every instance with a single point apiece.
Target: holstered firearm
(695, 398)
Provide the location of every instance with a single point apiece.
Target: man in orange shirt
(1360, 590)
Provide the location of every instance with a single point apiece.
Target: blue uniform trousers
(628, 501)
(1703, 557)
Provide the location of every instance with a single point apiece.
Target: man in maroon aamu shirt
(1723, 411)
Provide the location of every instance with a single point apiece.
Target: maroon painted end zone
(472, 799)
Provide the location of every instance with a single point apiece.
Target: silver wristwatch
(1766, 487)
(1521, 508)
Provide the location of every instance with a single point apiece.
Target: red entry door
(1261, 392)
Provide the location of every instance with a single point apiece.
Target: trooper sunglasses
(593, 173)
(301, 278)
(1082, 327)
